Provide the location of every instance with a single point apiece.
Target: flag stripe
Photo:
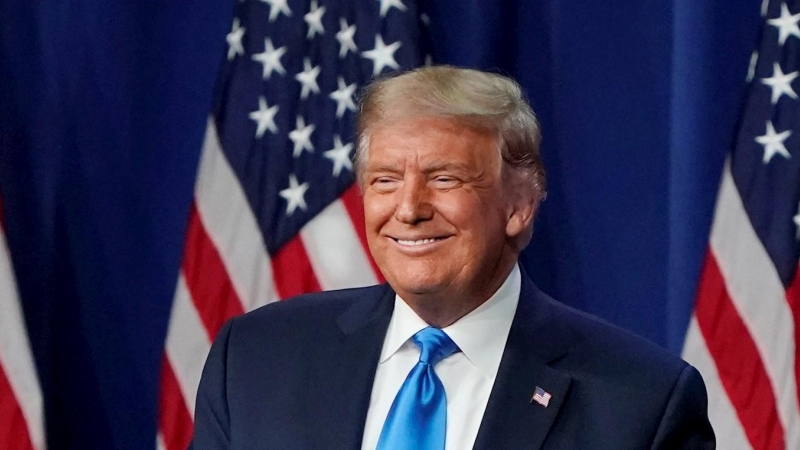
(16, 359)
(13, 427)
(793, 298)
(207, 279)
(721, 413)
(354, 203)
(759, 297)
(740, 367)
(335, 251)
(187, 338)
(293, 272)
(160, 445)
(231, 225)
(175, 421)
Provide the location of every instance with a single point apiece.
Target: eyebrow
(382, 168)
(446, 165)
(434, 167)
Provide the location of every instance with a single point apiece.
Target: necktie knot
(434, 345)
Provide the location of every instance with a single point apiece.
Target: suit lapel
(339, 394)
(512, 419)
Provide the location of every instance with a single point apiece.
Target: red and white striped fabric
(21, 411)
(226, 271)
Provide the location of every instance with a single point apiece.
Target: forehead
(432, 140)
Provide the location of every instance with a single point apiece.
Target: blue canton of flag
(285, 103)
(766, 160)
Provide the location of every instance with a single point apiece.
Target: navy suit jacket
(298, 375)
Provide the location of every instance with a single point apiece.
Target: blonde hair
(480, 100)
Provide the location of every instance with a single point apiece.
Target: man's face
(436, 217)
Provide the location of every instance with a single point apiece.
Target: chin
(418, 286)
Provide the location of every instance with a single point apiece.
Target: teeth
(417, 242)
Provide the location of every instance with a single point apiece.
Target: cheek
(376, 212)
(467, 212)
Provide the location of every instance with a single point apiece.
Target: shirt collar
(481, 334)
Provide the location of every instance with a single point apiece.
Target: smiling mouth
(417, 241)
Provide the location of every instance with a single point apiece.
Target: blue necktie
(418, 417)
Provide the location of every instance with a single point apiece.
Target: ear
(520, 216)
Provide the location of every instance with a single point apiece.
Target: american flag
(744, 333)
(21, 408)
(275, 211)
(541, 397)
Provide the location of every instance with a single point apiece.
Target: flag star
(797, 221)
(786, 24)
(340, 155)
(314, 20)
(308, 78)
(276, 7)
(264, 117)
(345, 38)
(751, 69)
(234, 39)
(294, 195)
(386, 5)
(780, 83)
(773, 142)
(301, 136)
(343, 97)
(425, 19)
(270, 59)
(382, 55)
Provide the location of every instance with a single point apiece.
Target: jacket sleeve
(211, 417)
(685, 424)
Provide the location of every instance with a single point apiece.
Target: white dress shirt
(467, 376)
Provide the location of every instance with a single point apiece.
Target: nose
(413, 204)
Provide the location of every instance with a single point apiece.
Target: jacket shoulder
(304, 313)
(601, 343)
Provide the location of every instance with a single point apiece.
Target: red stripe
(793, 298)
(737, 359)
(354, 205)
(13, 427)
(292, 270)
(206, 278)
(174, 419)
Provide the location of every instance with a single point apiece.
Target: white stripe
(760, 298)
(187, 344)
(721, 412)
(15, 352)
(232, 227)
(160, 445)
(335, 251)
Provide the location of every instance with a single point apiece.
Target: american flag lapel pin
(541, 397)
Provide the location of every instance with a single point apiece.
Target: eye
(384, 184)
(445, 181)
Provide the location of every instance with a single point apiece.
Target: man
(460, 350)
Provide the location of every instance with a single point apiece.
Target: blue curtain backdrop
(103, 107)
